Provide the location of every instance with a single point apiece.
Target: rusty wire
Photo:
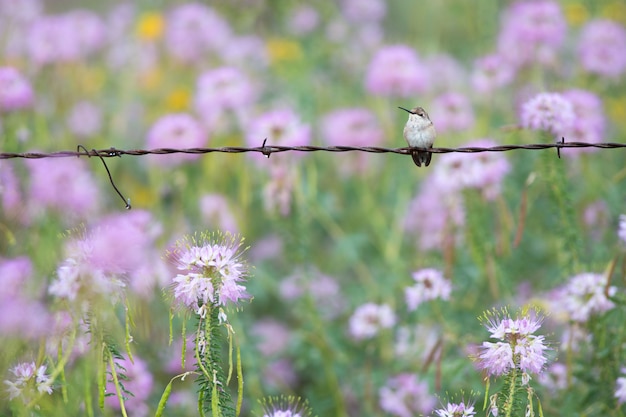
(267, 150)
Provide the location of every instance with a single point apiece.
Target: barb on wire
(267, 150)
(111, 152)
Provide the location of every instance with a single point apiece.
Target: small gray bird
(419, 132)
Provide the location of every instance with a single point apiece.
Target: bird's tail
(421, 158)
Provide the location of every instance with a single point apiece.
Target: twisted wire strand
(272, 149)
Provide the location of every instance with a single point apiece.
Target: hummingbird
(419, 132)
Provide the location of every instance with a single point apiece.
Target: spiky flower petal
(212, 271)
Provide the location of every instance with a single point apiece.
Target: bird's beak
(408, 111)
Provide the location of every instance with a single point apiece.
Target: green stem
(511, 396)
(116, 382)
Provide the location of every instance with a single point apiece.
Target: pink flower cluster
(576, 115)
(369, 319)
(517, 347)
(212, 272)
(28, 377)
(430, 284)
(405, 396)
(586, 295)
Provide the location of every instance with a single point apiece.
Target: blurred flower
(246, 51)
(88, 30)
(277, 191)
(47, 41)
(66, 37)
(27, 377)
(176, 130)
(554, 378)
(64, 185)
(15, 300)
(225, 87)
(15, 323)
(16, 92)
(587, 294)
(21, 11)
(369, 319)
(281, 50)
(178, 99)
(532, 31)
(363, 12)
(323, 289)
(452, 112)
(267, 247)
(589, 122)
(430, 285)
(596, 218)
(483, 171)
(271, 335)
(353, 127)
(123, 244)
(281, 127)
(491, 73)
(119, 245)
(77, 281)
(85, 119)
(137, 380)
(517, 346)
(14, 273)
(150, 26)
(285, 407)
(303, 20)
(601, 48)
(193, 29)
(621, 229)
(550, 112)
(212, 269)
(405, 396)
(456, 410)
(446, 73)
(219, 90)
(215, 211)
(279, 374)
(620, 388)
(396, 71)
(435, 217)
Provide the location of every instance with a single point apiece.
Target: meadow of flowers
(328, 284)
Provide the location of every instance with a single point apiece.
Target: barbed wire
(268, 150)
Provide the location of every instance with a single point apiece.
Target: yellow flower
(576, 13)
(144, 197)
(615, 10)
(149, 26)
(616, 109)
(283, 50)
(178, 99)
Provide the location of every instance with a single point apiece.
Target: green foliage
(216, 398)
